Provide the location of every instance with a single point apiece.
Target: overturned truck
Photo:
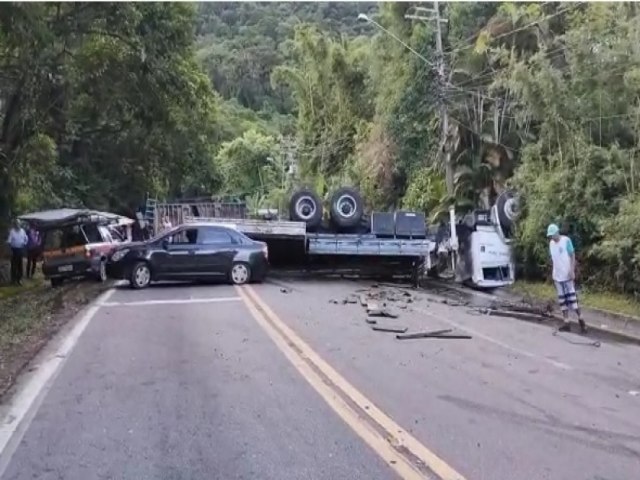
(344, 238)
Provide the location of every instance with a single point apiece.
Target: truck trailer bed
(348, 244)
(326, 243)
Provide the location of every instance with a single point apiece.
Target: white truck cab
(485, 254)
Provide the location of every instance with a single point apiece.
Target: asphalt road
(187, 382)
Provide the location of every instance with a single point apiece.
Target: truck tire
(508, 209)
(347, 208)
(305, 206)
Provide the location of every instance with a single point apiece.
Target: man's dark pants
(17, 254)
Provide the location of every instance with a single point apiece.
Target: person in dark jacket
(34, 250)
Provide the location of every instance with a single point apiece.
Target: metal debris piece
(454, 303)
(543, 310)
(390, 329)
(381, 313)
(433, 334)
(363, 300)
(372, 306)
(391, 285)
(532, 317)
(371, 321)
(284, 290)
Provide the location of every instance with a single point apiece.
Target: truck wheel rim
(511, 208)
(239, 274)
(143, 275)
(346, 206)
(305, 208)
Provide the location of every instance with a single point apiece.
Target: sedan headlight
(119, 255)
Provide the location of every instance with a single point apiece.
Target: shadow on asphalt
(177, 284)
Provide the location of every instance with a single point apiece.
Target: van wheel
(56, 282)
(240, 273)
(102, 271)
(140, 276)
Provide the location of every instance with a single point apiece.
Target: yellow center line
(404, 453)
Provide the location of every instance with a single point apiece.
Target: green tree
(243, 161)
(101, 103)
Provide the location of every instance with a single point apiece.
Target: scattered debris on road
(450, 302)
(285, 290)
(375, 300)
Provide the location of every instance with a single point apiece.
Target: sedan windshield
(163, 234)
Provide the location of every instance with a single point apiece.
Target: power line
(516, 30)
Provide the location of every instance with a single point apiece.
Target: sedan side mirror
(165, 244)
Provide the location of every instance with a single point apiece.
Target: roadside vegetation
(101, 103)
(29, 317)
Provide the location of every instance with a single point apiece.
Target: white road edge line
(176, 301)
(20, 405)
(560, 365)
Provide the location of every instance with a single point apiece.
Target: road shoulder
(31, 381)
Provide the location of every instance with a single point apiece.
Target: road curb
(622, 337)
(614, 334)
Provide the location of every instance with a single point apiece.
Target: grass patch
(30, 315)
(611, 302)
(7, 291)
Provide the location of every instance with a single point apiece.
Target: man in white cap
(564, 275)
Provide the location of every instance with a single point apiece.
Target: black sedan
(197, 251)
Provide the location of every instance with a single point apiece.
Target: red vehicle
(76, 243)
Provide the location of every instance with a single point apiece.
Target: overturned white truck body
(484, 245)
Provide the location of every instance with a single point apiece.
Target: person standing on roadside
(33, 250)
(564, 274)
(17, 240)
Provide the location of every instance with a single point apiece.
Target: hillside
(102, 103)
(240, 43)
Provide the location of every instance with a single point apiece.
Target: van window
(92, 233)
(65, 237)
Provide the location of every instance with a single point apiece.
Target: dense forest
(101, 103)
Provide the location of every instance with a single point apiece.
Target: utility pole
(434, 15)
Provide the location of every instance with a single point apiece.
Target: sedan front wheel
(140, 275)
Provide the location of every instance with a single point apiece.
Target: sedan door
(216, 251)
(177, 258)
